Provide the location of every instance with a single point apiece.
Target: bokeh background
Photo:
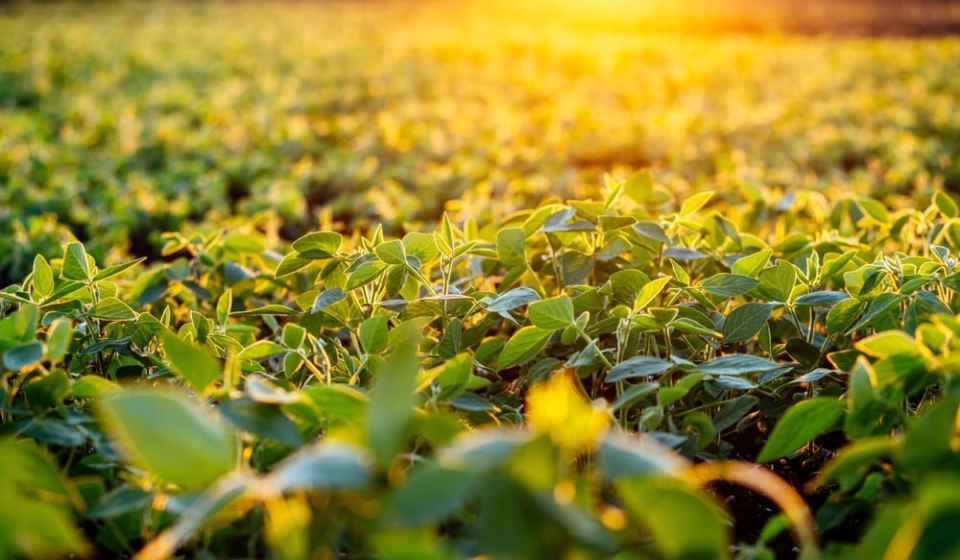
(119, 121)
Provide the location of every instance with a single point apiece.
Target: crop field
(433, 280)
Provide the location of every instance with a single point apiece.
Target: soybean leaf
(745, 321)
(116, 269)
(801, 423)
(888, 343)
(553, 313)
(737, 364)
(392, 403)
(189, 447)
(733, 411)
(676, 501)
(513, 299)
(649, 292)
(327, 298)
(638, 366)
(290, 264)
(751, 265)
(430, 493)
(880, 305)
(272, 309)
(112, 309)
(261, 349)
(776, 283)
(523, 346)
(22, 356)
(263, 420)
(327, 466)
(193, 364)
(634, 393)
(392, 252)
(373, 334)
(729, 285)
(511, 243)
(75, 265)
(821, 299)
(43, 280)
(319, 245)
(423, 246)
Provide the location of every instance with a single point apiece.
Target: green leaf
(889, 343)
(649, 292)
(821, 299)
(320, 245)
(338, 403)
(327, 298)
(36, 519)
(842, 315)
(373, 334)
(946, 204)
(651, 230)
(777, 282)
(676, 501)
(191, 363)
(553, 313)
(669, 395)
(733, 411)
(20, 326)
(738, 364)
(639, 187)
(93, 386)
(801, 424)
(261, 349)
(626, 284)
(430, 493)
(881, 304)
(224, 306)
(112, 309)
(745, 321)
(638, 366)
(75, 265)
(875, 209)
(327, 466)
(364, 274)
(633, 394)
(423, 246)
(513, 299)
(751, 265)
(266, 421)
(623, 455)
(392, 403)
(392, 252)
(729, 285)
(170, 435)
(694, 203)
(511, 244)
(117, 269)
(523, 346)
(290, 264)
(454, 376)
(22, 356)
(49, 390)
(42, 276)
(272, 309)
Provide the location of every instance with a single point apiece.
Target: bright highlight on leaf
(557, 408)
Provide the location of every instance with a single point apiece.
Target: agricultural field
(433, 280)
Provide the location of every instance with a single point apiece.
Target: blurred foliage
(121, 122)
